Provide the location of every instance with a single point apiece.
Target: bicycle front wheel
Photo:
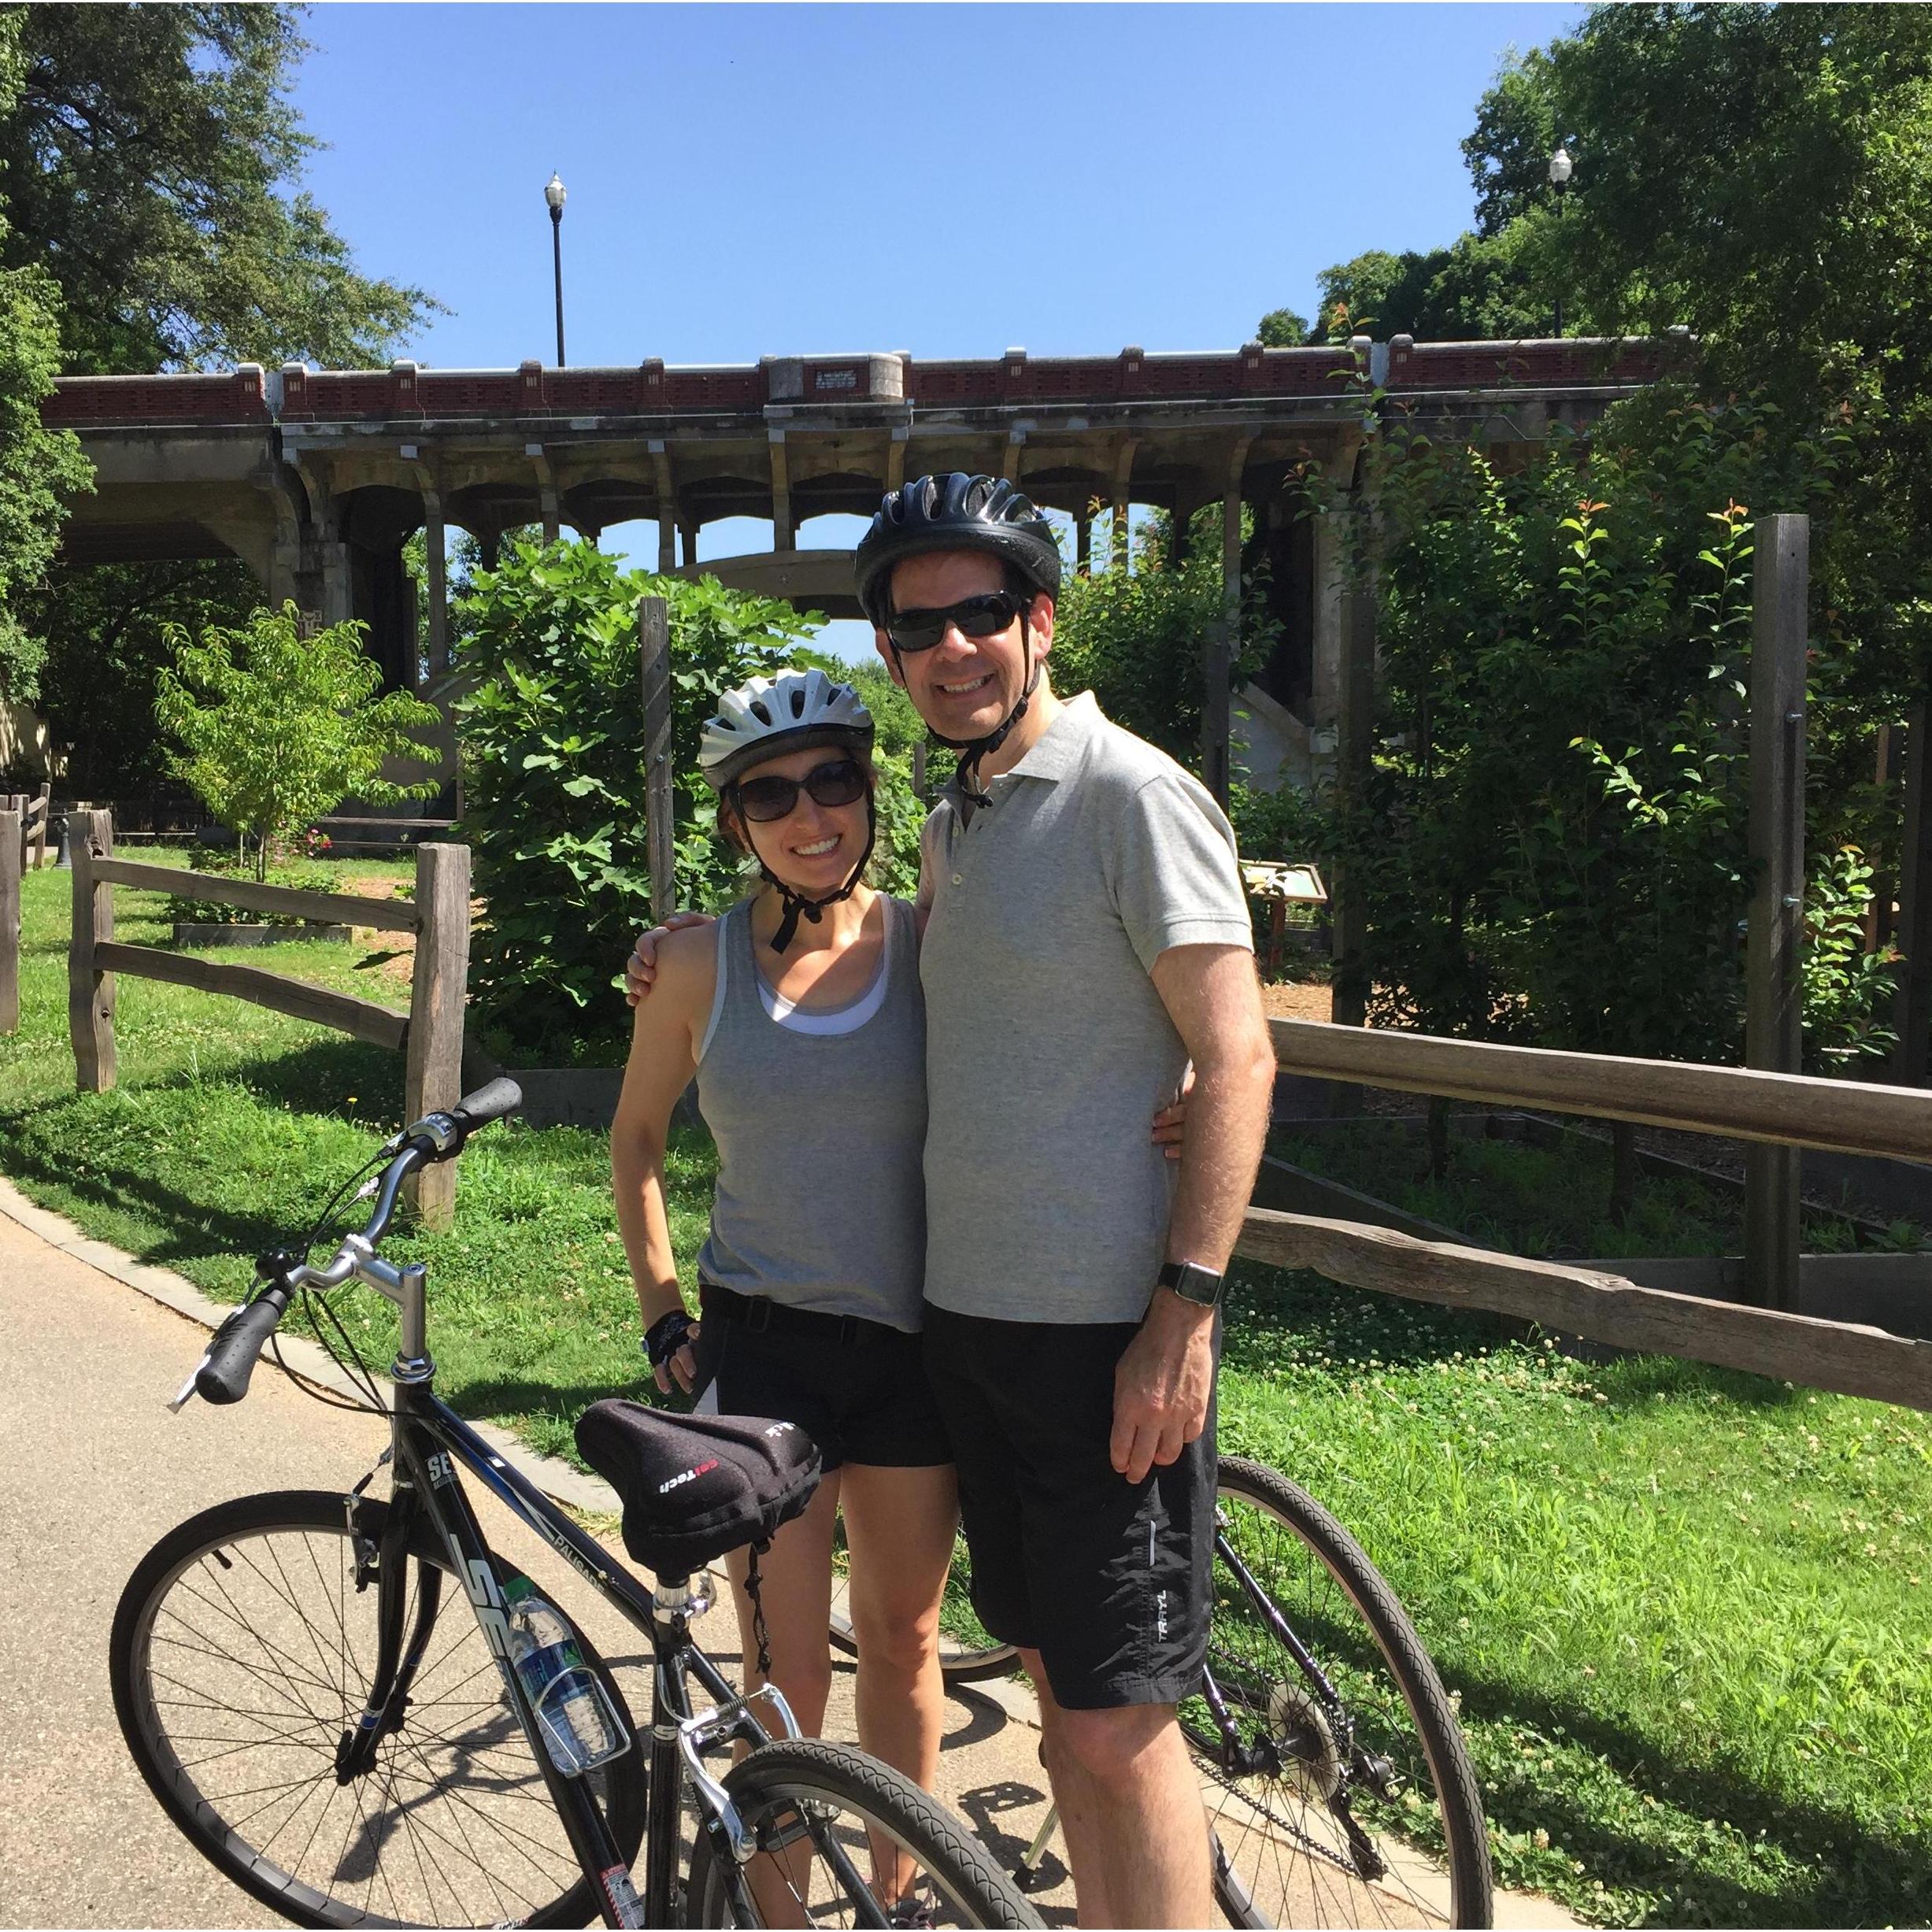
(828, 1821)
(1336, 1779)
(242, 1649)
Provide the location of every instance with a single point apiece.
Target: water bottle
(580, 1729)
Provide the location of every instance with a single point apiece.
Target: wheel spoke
(251, 1652)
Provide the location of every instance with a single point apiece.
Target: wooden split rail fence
(430, 1035)
(1780, 1109)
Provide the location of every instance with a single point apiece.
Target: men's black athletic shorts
(1109, 1580)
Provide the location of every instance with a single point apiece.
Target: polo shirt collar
(1061, 744)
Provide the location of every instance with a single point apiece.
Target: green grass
(1685, 1610)
(1548, 1201)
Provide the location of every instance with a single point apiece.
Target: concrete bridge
(316, 478)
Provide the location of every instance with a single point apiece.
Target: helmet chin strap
(975, 748)
(794, 905)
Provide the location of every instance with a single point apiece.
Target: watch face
(1195, 1284)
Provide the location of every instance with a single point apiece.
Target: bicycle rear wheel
(243, 1648)
(968, 1651)
(1336, 1779)
(822, 1813)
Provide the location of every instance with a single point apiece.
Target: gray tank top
(820, 1125)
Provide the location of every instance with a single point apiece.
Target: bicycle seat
(694, 1486)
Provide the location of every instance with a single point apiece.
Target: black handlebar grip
(224, 1375)
(500, 1096)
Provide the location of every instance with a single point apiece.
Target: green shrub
(277, 728)
(553, 780)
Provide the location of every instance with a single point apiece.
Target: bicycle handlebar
(223, 1375)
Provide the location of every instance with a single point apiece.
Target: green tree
(1282, 328)
(39, 468)
(1480, 288)
(152, 161)
(1133, 632)
(277, 728)
(102, 625)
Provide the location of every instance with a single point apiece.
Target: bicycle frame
(431, 1441)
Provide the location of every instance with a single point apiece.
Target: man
(1086, 937)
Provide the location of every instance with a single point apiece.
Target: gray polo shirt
(1047, 1048)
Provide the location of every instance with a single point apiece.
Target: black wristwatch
(1200, 1285)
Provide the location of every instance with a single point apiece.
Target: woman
(799, 1011)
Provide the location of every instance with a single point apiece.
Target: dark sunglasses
(986, 614)
(768, 799)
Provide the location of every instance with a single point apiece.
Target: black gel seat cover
(694, 1486)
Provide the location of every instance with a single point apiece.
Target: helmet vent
(798, 704)
(759, 711)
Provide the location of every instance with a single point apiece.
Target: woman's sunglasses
(985, 616)
(768, 799)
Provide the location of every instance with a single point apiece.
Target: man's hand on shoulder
(1161, 1385)
(640, 970)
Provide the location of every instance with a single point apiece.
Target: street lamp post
(1561, 168)
(553, 192)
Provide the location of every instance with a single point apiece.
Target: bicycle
(1338, 1788)
(296, 1699)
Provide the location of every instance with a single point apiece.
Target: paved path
(98, 1471)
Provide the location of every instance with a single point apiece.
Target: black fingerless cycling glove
(668, 1334)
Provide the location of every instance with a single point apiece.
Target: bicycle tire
(967, 1654)
(178, 1686)
(852, 1797)
(1385, 1743)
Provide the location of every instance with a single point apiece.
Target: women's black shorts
(865, 1400)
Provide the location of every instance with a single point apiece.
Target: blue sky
(947, 180)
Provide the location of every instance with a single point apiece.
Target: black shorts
(1109, 1580)
(865, 1401)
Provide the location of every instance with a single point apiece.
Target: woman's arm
(664, 1046)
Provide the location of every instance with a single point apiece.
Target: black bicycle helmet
(955, 513)
(958, 512)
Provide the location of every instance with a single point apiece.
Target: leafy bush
(553, 779)
(1553, 839)
(303, 877)
(278, 729)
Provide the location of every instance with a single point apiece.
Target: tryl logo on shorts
(780, 1428)
(688, 1475)
(1160, 1615)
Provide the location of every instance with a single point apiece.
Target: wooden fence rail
(1840, 1355)
(1793, 1110)
(430, 1036)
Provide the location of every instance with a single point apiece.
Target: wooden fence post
(653, 634)
(1774, 1009)
(90, 991)
(1911, 1019)
(9, 921)
(434, 1068)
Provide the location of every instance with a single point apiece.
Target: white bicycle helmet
(768, 716)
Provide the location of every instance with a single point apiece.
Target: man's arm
(1162, 1385)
